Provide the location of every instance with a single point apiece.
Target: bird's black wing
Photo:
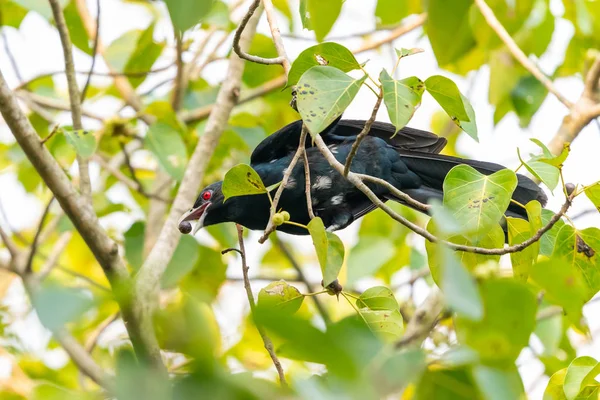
(285, 141)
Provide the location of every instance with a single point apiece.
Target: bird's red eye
(206, 195)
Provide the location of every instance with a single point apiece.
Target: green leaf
(593, 193)
(77, 31)
(545, 150)
(446, 93)
(84, 142)
(549, 238)
(545, 172)
(550, 332)
(257, 74)
(12, 14)
(58, 305)
(399, 370)
(520, 230)
(498, 384)
(478, 201)
(329, 248)
(408, 52)
(390, 12)
(459, 288)
(470, 126)
(168, 147)
(187, 13)
(119, 51)
(40, 6)
(280, 295)
(579, 249)
(242, 180)
(448, 29)
(207, 276)
(386, 324)
(183, 261)
(554, 390)
(560, 159)
(368, 256)
(527, 97)
(377, 298)
(563, 285)
(326, 54)
(144, 55)
(321, 14)
(447, 384)
(581, 373)
(509, 318)
(323, 95)
(401, 98)
(134, 244)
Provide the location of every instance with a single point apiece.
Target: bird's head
(210, 200)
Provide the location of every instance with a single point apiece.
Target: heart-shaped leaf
(242, 180)
(401, 97)
(325, 54)
(282, 296)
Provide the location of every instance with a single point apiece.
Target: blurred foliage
(492, 312)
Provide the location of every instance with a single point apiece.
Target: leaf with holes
(593, 193)
(168, 147)
(401, 97)
(281, 296)
(242, 180)
(579, 249)
(323, 95)
(543, 171)
(377, 298)
(329, 248)
(84, 142)
(478, 201)
(457, 106)
(386, 324)
(326, 54)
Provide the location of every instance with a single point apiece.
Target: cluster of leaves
(494, 316)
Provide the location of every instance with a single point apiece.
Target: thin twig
(424, 319)
(94, 53)
(238, 33)
(10, 55)
(276, 35)
(52, 260)
(35, 243)
(10, 245)
(286, 176)
(178, 83)
(363, 133)
(266, 340)
(74, 98)
(517, 53)
(288, 254)
(309, 207)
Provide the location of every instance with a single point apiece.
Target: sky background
(36, 47)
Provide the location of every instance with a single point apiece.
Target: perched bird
(408, 160)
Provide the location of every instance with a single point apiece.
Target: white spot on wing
(291, 183)
(322, 182)
(333, 148)
(272, 161)
(337, 200)
(314, 201)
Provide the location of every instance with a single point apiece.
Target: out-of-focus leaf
(166, 144)
(448, 29)
(280, 295)
(498, 384)
(183, 261)
(527, 97)
(554, 390)
(368, 256)
(218, 16)
(84, 142)
(321, 14)
(399, 370)
(326, 54)
(187, 13)
(40, 6)
(447, 384)
(377, 298)
(390, 12)
(593, 193)
(401, 97)
(144, 55)
(242, 180)
(509, 318)
(58, 305)
(459, 288)
(12, 13)
(548, 239)
(446, 93)
(257, 74)
(520, 230)
(77, 31)
(386, 324)
(207, 276)
(329, 248)
(324, 93)
(134, 244)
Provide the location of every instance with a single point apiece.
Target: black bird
(409, 161)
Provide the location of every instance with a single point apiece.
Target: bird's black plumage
(408, 160)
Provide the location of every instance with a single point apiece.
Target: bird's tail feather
(433, 168)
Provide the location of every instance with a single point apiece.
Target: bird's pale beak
(197, 214)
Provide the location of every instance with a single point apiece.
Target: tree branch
(236, 41)
(94, 53)
(148, 279)
(517, 53)
(61, 25)
(36, 238)
(423, 321)
(309, 207)
(276, 35)
(10, 245)
(266, 340)
(83, 217)
(286, 176)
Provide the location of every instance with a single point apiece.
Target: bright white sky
(36, 47)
